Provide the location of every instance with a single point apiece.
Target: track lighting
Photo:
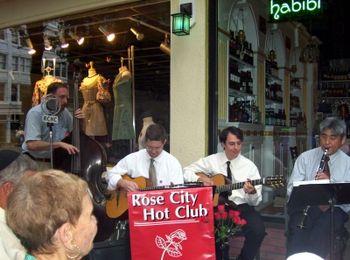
(23, 32)
(31, 50)
(110, 36)
(139, 36)
(165, 45)
(74, 36)
(62, 39)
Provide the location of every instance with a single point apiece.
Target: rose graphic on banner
(172, 244)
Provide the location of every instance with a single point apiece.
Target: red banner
(172, 223)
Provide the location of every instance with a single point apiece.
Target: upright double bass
(88, 164)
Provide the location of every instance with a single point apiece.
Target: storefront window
(2, 91)
(2, 61)
(15, 63)
(15, 37)
(2, 34)
(138, 50)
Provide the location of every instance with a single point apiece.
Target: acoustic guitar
(275, 181)
(117, 203)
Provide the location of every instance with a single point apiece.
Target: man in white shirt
(236, 168)
(13, 166)
(311, 232)
(168, 170)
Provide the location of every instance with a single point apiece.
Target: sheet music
(298, 183)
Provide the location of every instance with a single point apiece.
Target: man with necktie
(153, 163)
(236, 168)
(327, 161)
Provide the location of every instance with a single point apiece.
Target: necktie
(326, 166)
(229, 177)
(327, 172)
(152, 173)
(228, 171)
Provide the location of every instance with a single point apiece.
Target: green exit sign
(281, 10)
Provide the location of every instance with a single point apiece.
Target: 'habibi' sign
(281, 10)
(172, 224)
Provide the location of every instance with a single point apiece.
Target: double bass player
(37, 133)
(309, 227)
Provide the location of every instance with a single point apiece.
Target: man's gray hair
(15, 170)
(336, 125)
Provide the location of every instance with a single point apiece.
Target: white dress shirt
(241, 167)
(10, 246)
(168, 168)
(307, 164)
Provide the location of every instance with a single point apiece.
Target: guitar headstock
(275, 181)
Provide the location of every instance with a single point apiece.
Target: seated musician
(311, 232)
(152, 163)
(236, 168)
(37, 134)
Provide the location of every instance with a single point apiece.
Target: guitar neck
(152, 188)
(236, 186)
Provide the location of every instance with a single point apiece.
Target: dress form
(123, 128)
(40, 88)
(147, 121)
(123, 125)
(95, 122)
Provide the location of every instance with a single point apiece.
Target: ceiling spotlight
(110, 36)
(62, 39)
(165, 45)
(24, 33)
(31, 50)
(74, 36)
(47, 43)
(139, 36)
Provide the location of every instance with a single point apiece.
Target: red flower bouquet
(226, 225)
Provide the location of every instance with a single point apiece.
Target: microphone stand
(332, 203)
(50, 125)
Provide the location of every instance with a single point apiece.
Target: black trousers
(315, 237)
(253, 231)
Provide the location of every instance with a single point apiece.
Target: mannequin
(123, 127)
(40, 88)
(122, 121)
(147, 120)
(95, 122)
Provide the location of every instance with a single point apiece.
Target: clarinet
(320, 169)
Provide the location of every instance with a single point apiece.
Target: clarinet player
(309, 227)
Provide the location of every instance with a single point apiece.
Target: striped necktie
(152, 173)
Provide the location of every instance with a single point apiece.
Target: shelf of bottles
(294, 102)
(242, 101)
(335, 89)
(274, 113)
(273, 84)
(240, 49)
(243, 108)
(295, 88)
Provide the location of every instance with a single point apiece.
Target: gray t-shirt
(36, 129)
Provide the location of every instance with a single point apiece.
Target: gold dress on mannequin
(95, 122)
(40, 88)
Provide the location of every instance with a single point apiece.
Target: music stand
(321, 194)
